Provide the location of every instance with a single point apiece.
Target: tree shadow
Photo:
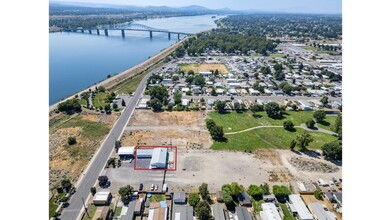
(296, 152)
(325, 123)
(335, 162)
(223, 139)
(257, 116)
(311, 153)
(291, 129)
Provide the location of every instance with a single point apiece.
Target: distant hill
(190, 8)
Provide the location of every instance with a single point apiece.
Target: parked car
(156, 187)
(141, 187)
(152, 187)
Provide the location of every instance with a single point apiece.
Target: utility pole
(85, 207)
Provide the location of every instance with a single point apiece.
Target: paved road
(99, 161)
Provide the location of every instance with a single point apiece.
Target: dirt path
(302, 126)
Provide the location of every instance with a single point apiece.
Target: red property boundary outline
(151, 147)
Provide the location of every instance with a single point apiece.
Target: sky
(293, 6)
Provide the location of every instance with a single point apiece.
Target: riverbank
(120, 77)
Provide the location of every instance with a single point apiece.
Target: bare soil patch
(205, 67)
(70, 160)
(311, 165)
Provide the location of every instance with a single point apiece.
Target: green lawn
(83, 102)
(90, 129)
(130, 85)
(276, 55)
(157, 198)
(269, 138)
(52, 207)
(91, 212)
(117, 211)
(100, 99)
(287, 214)
(328, 123)
(240, 121)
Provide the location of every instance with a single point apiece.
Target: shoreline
(122, 76)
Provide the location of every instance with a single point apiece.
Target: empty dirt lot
(205, 68)
(181, 129)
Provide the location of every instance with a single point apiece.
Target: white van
(164, 188)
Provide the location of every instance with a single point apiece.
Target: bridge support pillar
(97, 32)
(106, 32)
(150, 34)
(90, 31)
(178, 37)
(169, 35)
(123, 33)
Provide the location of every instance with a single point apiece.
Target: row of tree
(215, 131)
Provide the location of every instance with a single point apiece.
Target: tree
(236, 188)
(281, 192)
(333, 150)
(217, 133)
(256, 108)
(93, 190)
(123, 103)
(310, 123)
(71, 140)
(273, 110)
(175, 78)
(319, 115)
(287, 89)
(66, 184)
(117, 145)
(203, 211)
(324, 100)
(288, 125)
(115, 106)
(318, 194)
(303, 140)
(156, 105)
(199, 80)
(101, 89)
(158, 92)
(210, 123)
(254, 191)
(126, 193)
(107, 108)
(178, 98)
(213, 93)
(191, 72)
(226, 194)
(69, 106)
(220, 106)
(265, 189)
(256, 75)
(194, 199)
(203, 190)
(170, 106)
(293, 144)
(338, 126)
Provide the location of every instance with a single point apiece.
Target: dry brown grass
(205, 67)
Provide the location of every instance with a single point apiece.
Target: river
(77, 61)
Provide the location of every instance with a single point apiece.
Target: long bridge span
(127, 27)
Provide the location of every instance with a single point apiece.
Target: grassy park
(233, 121)
(130, 85)
(268, 137)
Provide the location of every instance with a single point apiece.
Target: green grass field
(52, 207)
(130, 85)
(99, 99)
(90, 129)
(278, 138)
(157, 198)
(240, 121)
(117, 211)
(276, 55)
(83, 102)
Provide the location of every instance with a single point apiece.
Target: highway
(98, 162)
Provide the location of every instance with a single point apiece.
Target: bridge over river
(127, 27)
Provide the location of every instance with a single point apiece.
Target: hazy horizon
(287, 6)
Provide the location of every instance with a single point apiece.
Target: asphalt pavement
(97, 164)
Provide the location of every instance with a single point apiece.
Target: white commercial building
(102, 198)
(298, 208)
(159, 158)
(270, 212)
(126, 152)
